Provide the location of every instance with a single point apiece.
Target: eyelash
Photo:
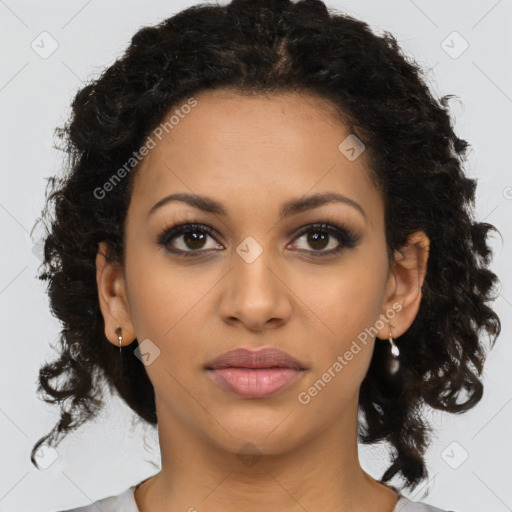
(342, 233)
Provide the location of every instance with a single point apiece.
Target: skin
(252, 154)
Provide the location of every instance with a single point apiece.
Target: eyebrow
(288, 209)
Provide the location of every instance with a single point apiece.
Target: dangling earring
(395, 363)
(119, 337)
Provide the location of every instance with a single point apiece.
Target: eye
(191, 238)
(320, 236)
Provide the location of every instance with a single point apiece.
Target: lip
(267, 357)
(255, 374)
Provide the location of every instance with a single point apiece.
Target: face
(253, 275)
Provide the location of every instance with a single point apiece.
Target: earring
(395, 363)
(119, 337)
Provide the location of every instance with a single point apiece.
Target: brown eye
(193, 240)
(188, 238)
(326, 239)
(318, 240)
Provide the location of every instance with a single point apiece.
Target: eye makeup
(193, 232)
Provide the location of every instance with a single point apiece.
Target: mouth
(263, 358)
(251, 374)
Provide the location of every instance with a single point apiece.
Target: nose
(255, 295)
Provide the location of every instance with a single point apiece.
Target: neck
(321, 472)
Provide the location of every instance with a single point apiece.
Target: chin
(256, 434)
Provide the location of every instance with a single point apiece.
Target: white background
(106, 457)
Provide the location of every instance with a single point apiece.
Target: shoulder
(124, 502)
(406, 505)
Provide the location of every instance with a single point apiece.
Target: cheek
(348, 308)
(165, 301)
(347, 304)
(347, 300)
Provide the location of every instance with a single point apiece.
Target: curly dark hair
(265, 47)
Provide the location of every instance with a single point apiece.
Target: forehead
(261, 149)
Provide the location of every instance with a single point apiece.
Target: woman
(265, 245)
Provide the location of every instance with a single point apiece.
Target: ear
(403, 289)
(112, 298)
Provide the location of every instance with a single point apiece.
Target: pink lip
(264, 358)
(255, 374)
(255, 382)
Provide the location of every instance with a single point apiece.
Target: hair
(263, 48)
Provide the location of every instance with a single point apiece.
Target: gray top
(125, 502)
